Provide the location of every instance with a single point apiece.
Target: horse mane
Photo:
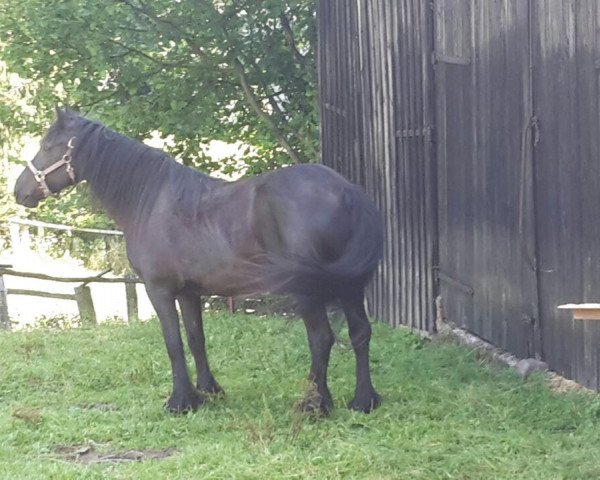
(127, 176)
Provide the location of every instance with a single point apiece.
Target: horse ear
(64, 115)
(61, 115)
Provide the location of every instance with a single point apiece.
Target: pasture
(86, 403)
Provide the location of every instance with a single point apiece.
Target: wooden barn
(476, 127)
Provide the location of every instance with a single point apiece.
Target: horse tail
(350, 271)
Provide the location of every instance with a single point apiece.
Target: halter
(40, 175)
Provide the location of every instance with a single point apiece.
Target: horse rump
(313, 276)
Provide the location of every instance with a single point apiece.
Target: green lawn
(446, 413)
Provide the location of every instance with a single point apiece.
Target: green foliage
(193, 70)
(74, 208)
(446, 414)
(7, 206)
(77, 209)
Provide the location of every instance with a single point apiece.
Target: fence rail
(54, 226)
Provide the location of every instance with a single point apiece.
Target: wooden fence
(81, 293)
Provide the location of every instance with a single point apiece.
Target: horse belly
(234, 279)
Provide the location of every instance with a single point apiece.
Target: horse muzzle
(27, 195)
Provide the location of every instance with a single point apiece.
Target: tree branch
(238, 67)
(150, 57)
(97, 101)
(289, 34)
(253, 102)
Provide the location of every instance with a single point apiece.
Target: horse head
(51, 170)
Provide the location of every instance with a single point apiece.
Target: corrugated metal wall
(510, 112)
(484, 107)
(566, 56)
(518, 122)
(375, 78)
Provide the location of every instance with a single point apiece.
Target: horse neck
(127, 177)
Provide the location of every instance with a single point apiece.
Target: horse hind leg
(320, 341)
(191, 311)
(365, 398)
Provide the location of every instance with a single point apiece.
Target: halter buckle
(39, 176)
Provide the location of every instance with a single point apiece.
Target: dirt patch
(87, 455)
(563, 385)
(100, 407)
(27, 414)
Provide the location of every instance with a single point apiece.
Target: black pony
(302, 230)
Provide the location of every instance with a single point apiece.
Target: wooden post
(4, 318)
(132, 302)
(15, 240)
(231, 305)
(85, 304)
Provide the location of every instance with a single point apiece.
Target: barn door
(484, 134)
(566, 54)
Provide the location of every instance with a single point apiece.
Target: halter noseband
(40, 175)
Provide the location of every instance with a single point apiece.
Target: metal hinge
(453, 282)
(450, 59)
(426, 132)
(334, 109)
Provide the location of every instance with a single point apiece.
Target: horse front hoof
(211, 388)
(179, 403)
(316, 405)
(365, 403)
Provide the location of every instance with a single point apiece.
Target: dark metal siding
(518, 120)
(566, 52)
(375, 77)
(483, 108)
(513, 205)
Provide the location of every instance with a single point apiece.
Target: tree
(195, 70)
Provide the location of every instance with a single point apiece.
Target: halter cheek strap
(40, 175)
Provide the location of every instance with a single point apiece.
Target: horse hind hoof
(315, 406)
(366, 405)
(184, 404)
(212, 389)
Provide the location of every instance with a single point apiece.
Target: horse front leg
(184, 397)
(191, 311)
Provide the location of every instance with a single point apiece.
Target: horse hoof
(315, 405)
(212, 389)
(367, 404)
(179, 404)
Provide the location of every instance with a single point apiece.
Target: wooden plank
(66, 228)
(582, 311)
(85, 280)
(557, 179)
(39, 293)
(455, 139)
(430, 175)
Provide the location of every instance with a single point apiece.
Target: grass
(446, 414)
